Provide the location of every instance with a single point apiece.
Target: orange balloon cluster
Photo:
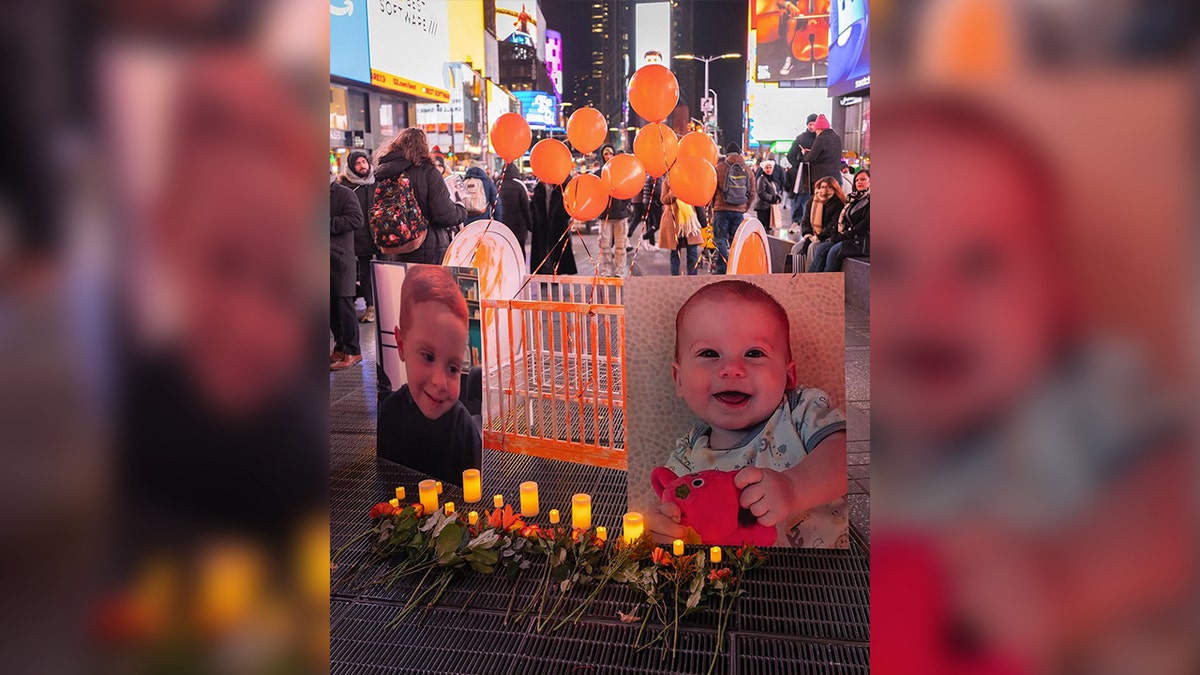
(698, 144)
(587, 129)
(510, 136)
(653, 92)
(656, 146)
(623, 176)
(585, 197)
(551, 161)
(693, 180)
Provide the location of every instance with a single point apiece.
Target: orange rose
(660, 556)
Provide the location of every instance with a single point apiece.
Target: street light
(707, 60)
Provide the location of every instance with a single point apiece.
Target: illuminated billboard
(554, 59)
(777, 113)
(539, 108)
(790, 41)
(849, 48)
(410, 47)
(348, 41)
(516, 21)
(653, 23)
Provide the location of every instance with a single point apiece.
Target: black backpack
(736, 190)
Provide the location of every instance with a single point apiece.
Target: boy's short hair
(430, 283)
(736, 289)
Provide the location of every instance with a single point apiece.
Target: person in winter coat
(408, 153)
(825, 157)
(514, 204)
(613, 235)
(819, 227)
(493, 209)
(726, 216)
(550, 250)
(680, 228)
(345, 217)
(359, 176)
(768, 193)
(854, 231)
(847, 179)
(796, 157)
(652, 206)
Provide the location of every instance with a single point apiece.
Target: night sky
(720, 28)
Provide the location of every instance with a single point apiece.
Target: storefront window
(359, 120)
(339, 113)
(393, 116)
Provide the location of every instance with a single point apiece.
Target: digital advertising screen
(410, 46)
(790, 40)
(539, 108)
(348, 56)
(516, 21)
(849, 48)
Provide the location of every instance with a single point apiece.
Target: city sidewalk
(353, 404)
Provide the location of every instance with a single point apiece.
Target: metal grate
(608, 648)
(773, 656)
(438, 641)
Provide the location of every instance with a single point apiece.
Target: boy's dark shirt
(441, 448)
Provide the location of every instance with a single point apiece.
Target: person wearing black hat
(359, 176)
(796, 156)
(735, 191)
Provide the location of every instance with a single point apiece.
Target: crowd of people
(813, 193)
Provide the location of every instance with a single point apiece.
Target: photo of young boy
(423, 424)
(764, 459)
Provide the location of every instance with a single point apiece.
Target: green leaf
(561, 573)
(481, 568)
(450, 559)
(693, 598)
(448, 539)
(485, 556)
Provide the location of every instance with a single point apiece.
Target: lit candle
(400, 493)
(429, 493)
(602, 533)
(714, 554)
(395, 503)
(439, 487)
(678, 547)
(472, 518)
(472, 492)
(553, 516)
(581, 511)
(498, 501)
(633, 527)
(529, 498)
(449, 508)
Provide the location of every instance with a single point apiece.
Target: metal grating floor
(806, 611)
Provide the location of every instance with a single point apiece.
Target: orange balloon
(551, 161)
(510, 136)
(698, 144)
(587, 129)
(656, 146)
(693, 180)
(653, 92)
(623, 176)
(585, 197)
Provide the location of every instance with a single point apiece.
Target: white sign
(778, 113)
(706, 104)
(410, 45)
(653, 30)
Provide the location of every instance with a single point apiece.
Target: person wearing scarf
(854, 227)
(359, 176)
(679, 229)
(820, 220)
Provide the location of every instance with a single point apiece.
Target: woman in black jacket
(819, 225)
(550, 250)
(514, 204)
(854, 231)
(408, 153)
(345, 217)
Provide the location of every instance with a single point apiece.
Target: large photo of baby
(735, 409)
(428, 318)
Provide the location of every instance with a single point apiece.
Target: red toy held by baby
(708, 503)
